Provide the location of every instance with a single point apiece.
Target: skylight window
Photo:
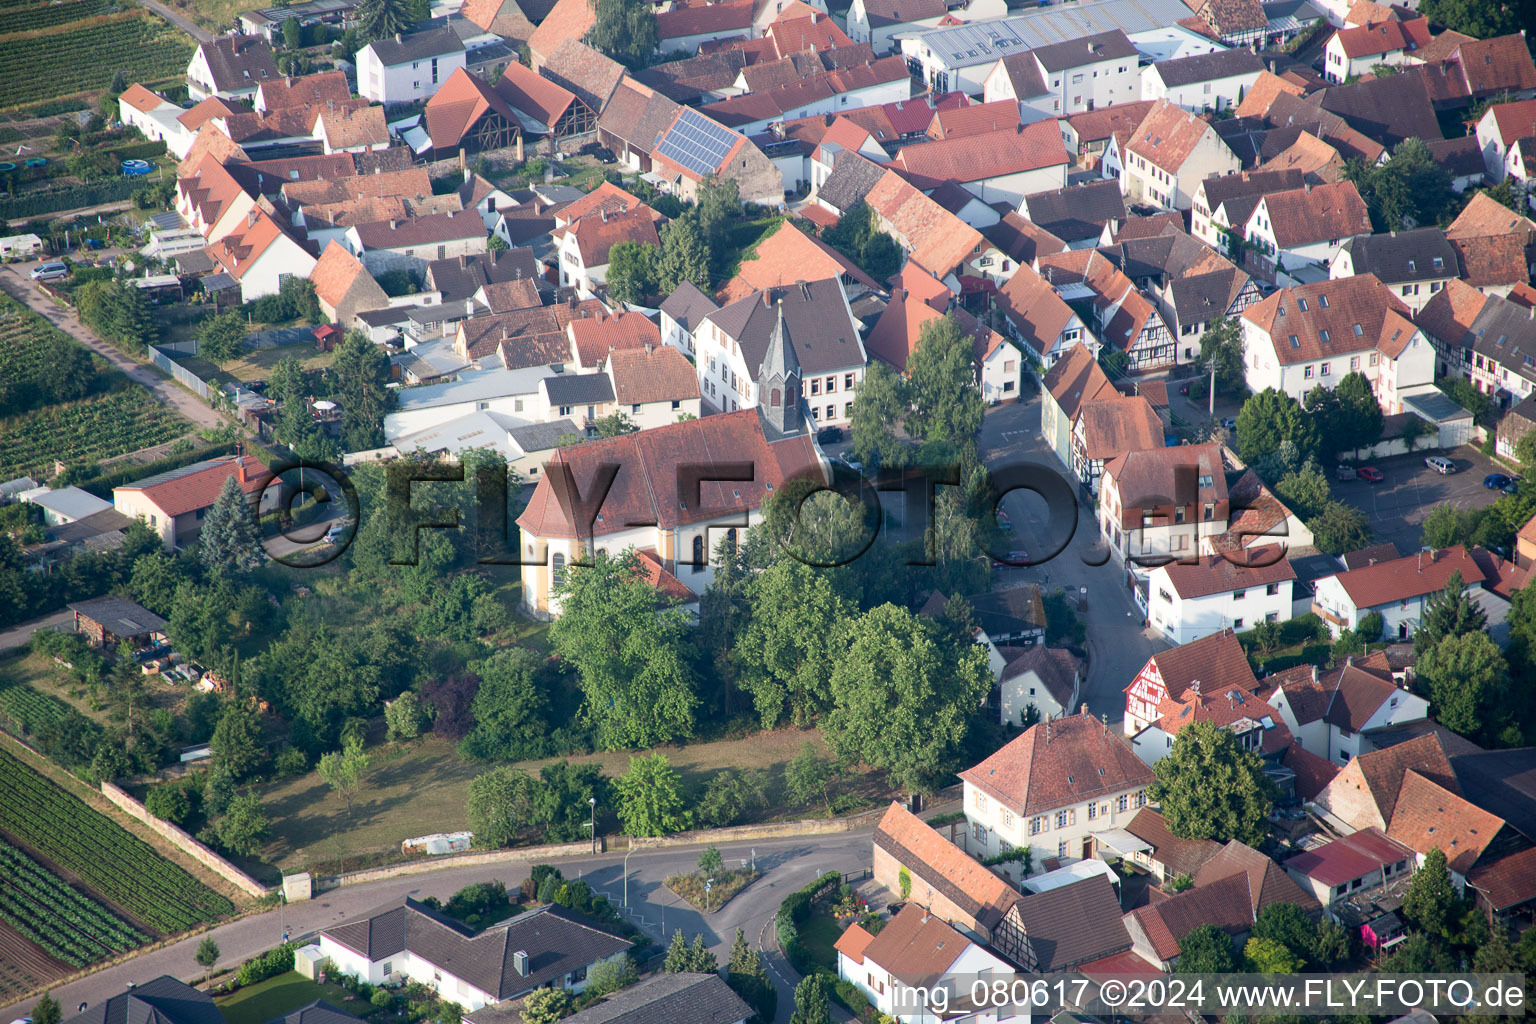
(1359, 331)
(1301, 304)
(1323, 301)
(1323, 336)
(1295, 342)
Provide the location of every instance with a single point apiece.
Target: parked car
(1440, 464)
(1370, 474)
(1496, 481)
(829, 435)
(1013, 560)
(50, 271)
(1229, 423)
(1003, 522)
(1344, 472)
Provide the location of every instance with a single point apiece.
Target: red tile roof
(937, 863)
(568, 19)
(1075, 380)
(1117, 425)
(1348, 858)
(977, 119)
(668, 587)
(458, 104)
(977, 157)
(1500, 64)
(1267, 881)
(656, 373)
(1317, 213)
(853, 942)
(1057, 763)
(1508, 881)
(527, 91)
(1405, 578)
(938, 240)
(309, 90)
(1217, 661)
(1383, 37)
(691, 19)
(1428, 816)
(1336, 308)
(1181, 856)
(1313, 773)
(1222, 574)
(186, 490)
(334, 273)
(789, 256)
(141, 99)
(1167, 136)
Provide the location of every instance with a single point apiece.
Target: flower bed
(727, 884)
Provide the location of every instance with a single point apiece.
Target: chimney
(1047, 730)
(463, 262)
(506, 332)
(245, 473)
(1083, 709)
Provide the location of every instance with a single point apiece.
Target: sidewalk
(19, 634)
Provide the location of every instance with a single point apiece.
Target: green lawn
(259, 1003)
(818, 935)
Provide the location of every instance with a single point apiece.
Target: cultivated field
(52, 51)
(86, 431)
(23, 966)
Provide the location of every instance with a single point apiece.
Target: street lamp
(592, 805)
(709, 883)
(626, 873)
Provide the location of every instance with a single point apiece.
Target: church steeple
(779, 380)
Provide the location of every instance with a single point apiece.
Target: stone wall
(188, 845)
(526, 854)
(775, 830)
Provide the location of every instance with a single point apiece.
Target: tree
(684, 255)
(500, 805)
(546, 1006)
(651, 799)
(625, 30)
(1348, 416)
(946, 405)
(811, 1003)
(362, 374)
(508, 708)
(168, 802)
(1266, 956)
(221, 337)
(1332, 946)
(1409, 190)
(1210, 788)
(243, 825)
(46, 1010)
(1270, 417)
(719, 203)
(343, 770)
(677, 954)
(632, 272)
(610, 976)
(880, 403)
(1206, 950)
(293, 33)
(902, 699)
(786, 653)
(748, 978)
(731, 795)
(404, 717)
(808, 776)
(1288, 925)
(380, 19)
(1465, 678)
(635, 673)
(229, 541)
(1430, 901)
(1451, 612)
(1222, 343)
(710, 860)
(1305, 490)
(1339, 528)
(238, 743)
(206, 956)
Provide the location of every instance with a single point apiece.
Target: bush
(270, 964)
(168, 802)
(795, 911)
(290, 764)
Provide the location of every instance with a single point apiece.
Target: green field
(86, 431)
(46, 60)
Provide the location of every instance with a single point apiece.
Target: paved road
(786, 865)
(20, 633)
(1118, 646)
(16, 282)
(180, 21)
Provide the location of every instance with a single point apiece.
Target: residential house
(1218, 660)
(879, 22)
(1019, 240)
(509, 19)
(914, 955)
(1191, 284)
(1332, 713)
(1071, 926)
(998, 167)
(1499, 66)
(595, 337)
(163, 999)
(1017, 78)
(1169, 154)
(1071, 384)
(840, 136)
(582, 246)
(1315, 334)
(1259, 519)
(685, 530)
(410, 941)
(1037, 318)
(1206, 82)
(1222, 204)
(1052, 788)
(653, 386)
(404, 68)
(106, 622)
(210, 200)
(1240, 712)
(1413, 264)
(1079, 214)
(412, 244)
(935, 239)
(1087, 135)
(344, 286)
(816, 91)
(1298, 232)
(1088, 72)
(259, 254)
(632, 121)
(1398, 590)
(1109, 427)
(682, 316)
(1233, 22)
(1164, 854)
(230, 67)
(1462, 160)
(173, 504)
(896, 334)
(685, 28)
(1158, 504)
(1494, 245)
(567, 19)
(678, 996)
(945, 881)
(819, 336)
(1042, 682)
(156, 118)
(1350, 865)
(1351, 52)
(306, 91)
(352, 130)
(1237, 590)
(695, 146)
(1123, 318)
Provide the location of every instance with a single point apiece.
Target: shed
(108, 620)
(306, 959)
(1452, 422)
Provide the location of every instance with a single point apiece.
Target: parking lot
(1409, 489)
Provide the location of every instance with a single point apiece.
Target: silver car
(1440, 464)
(50, 271)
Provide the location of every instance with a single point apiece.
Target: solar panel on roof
(697, 143)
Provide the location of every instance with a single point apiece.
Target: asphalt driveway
(1410, 489)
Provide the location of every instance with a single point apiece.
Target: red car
(1370, 474)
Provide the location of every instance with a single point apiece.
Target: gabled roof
(458, 104)
(361, 126)
(335, 273)
(1317, 213)
(459, 277)
(688, 305)
(141, 99)
(822, 334)
(162, 1000)
(651, 374)
(598, 337)
(433, 228)
(1023, 73)
(1180, 856)
(1232, 16)
(701, 18)
(937, 239)
(1267, 881)
(1387, 110)
(1262, 93)
(1428, 815)
(1208, 67)
(1406, 578)
(1099, 125)
(1078, 211)
(977, 119)
(1500, 64)
(1056, 668)
(239, 62)
(795, 30)
(1224, 903)
(583, 71)
(1313, 773)
(685, 997)
(968, 158)
(1217, 661)
(210, 109)
(1348, 857)
(1116, 425)
(916, 944)
(1057, 763)
(943, 867)
(568, 19)
(881, 13)
(1492, 241)
(1073, 924)
(393, 51)
(1508, 881)
(647, 482)
(1167, 136)
(539, 97)
(184, 490)
(1403, 255)
(1220, 574)
(1085, 50)
(637, 114)
(853, 176)
(308, 90)
(789, 256)
(1383, 37)
(1076, 380)
(1034, 308)
(1020, 239)
(1331, 318)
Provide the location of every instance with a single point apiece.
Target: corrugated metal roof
(982, 42)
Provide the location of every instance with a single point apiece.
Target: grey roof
(1077, 212)
(821, 330)
(682, 998)
(218, 282)
(688, 305)
(555, 940)
(1255, 185)
(239, 62)
(578, 388)
(161, 1001)
(541, 437)
(388, 317)
(1290, 15)
(475, 387)
(1503, 782)
(71, 502)
(120, 615)
(558, 193)
(1024, 75)
(1073, 924)
(1434, 407)
(1005, 613)
(1387, 110)
(981, 42)
(1460, 156)
(1206, 67)
(81, 530)
(851, 179)
(317, 1012)
(1403, 255)
(1074, 53)
(458, 278)
(402, 49)
(1504, 332)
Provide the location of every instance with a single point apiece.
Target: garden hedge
(70, 197)
(795, 911)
